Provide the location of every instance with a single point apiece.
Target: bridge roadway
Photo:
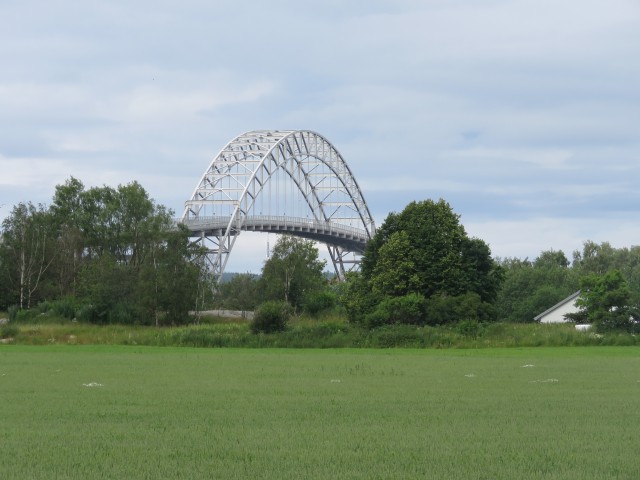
(344, 236)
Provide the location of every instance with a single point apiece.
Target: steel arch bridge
(279, 181)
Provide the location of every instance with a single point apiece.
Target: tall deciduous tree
(113, 249)
(68, 218)
(605, 302)
(27, 251)
(240, 293)
(529, 288)
(425, 251)
(436, 248)
(293, 271)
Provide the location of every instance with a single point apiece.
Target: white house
(556, 313)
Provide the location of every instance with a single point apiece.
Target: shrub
(87, 313)
(121, 313)
(469, 328)
(320, 301)
(13, 313)
(377, 318)
(444, 309)
(9, 330)
(65, 307)
(271, 316)
(24, 315)
(396, 336)
(357, 298)
(408, 309)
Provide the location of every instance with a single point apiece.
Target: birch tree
(28, 250)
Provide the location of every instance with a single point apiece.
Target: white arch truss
(282, 181)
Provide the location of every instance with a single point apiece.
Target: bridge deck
(351, 238)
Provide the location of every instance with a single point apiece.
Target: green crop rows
(142, 412)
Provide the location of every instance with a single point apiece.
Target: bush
(444, 309)
(9, 330)
(65, 307)
(24, 315)
(271, 316)
(121, 313)
(320, 301)
(408, 309)
(87, 313)
(469, 328)
(13, 313)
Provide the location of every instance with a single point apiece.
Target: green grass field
(147, 412)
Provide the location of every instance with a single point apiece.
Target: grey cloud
(510, 113)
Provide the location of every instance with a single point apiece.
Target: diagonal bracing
(283, 181)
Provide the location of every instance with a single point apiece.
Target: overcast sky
(523, 114)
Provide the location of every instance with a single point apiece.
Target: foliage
(420, 254)
(408, 309)
(9, 330)
(270, 317)
(320, 301)
(358, 298)
(604, 302)
(601, 258)
(439, 257)
(395, 272)
(531, 287)
(241, 292)
(445, 309)
(292, 272)
(334, 332)
(112, 250)
(13, 312)
(27, 251)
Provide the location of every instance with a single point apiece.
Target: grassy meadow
(75, 411)
(332, 332)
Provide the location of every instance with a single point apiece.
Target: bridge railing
(282, 222)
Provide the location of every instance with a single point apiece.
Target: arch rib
(239, 174)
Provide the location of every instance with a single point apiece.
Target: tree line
(112, 255)
(607, 277)
(422, 268)
(102, 255)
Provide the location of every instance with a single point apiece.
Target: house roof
(557, 305)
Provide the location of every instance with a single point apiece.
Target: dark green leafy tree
(68, 219)
(112, 253)
(358, 299)
(443, 309)
(531, 287)
(395, 272)
(143, 271)
(321, 301)
(241, 292)
(292, 272)
(438, 257)
(596, 258)
(420, 253)
(177, 276)
(6, 295)
(601, 258)
(105, 287)
(605, 302)
(270, 317)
